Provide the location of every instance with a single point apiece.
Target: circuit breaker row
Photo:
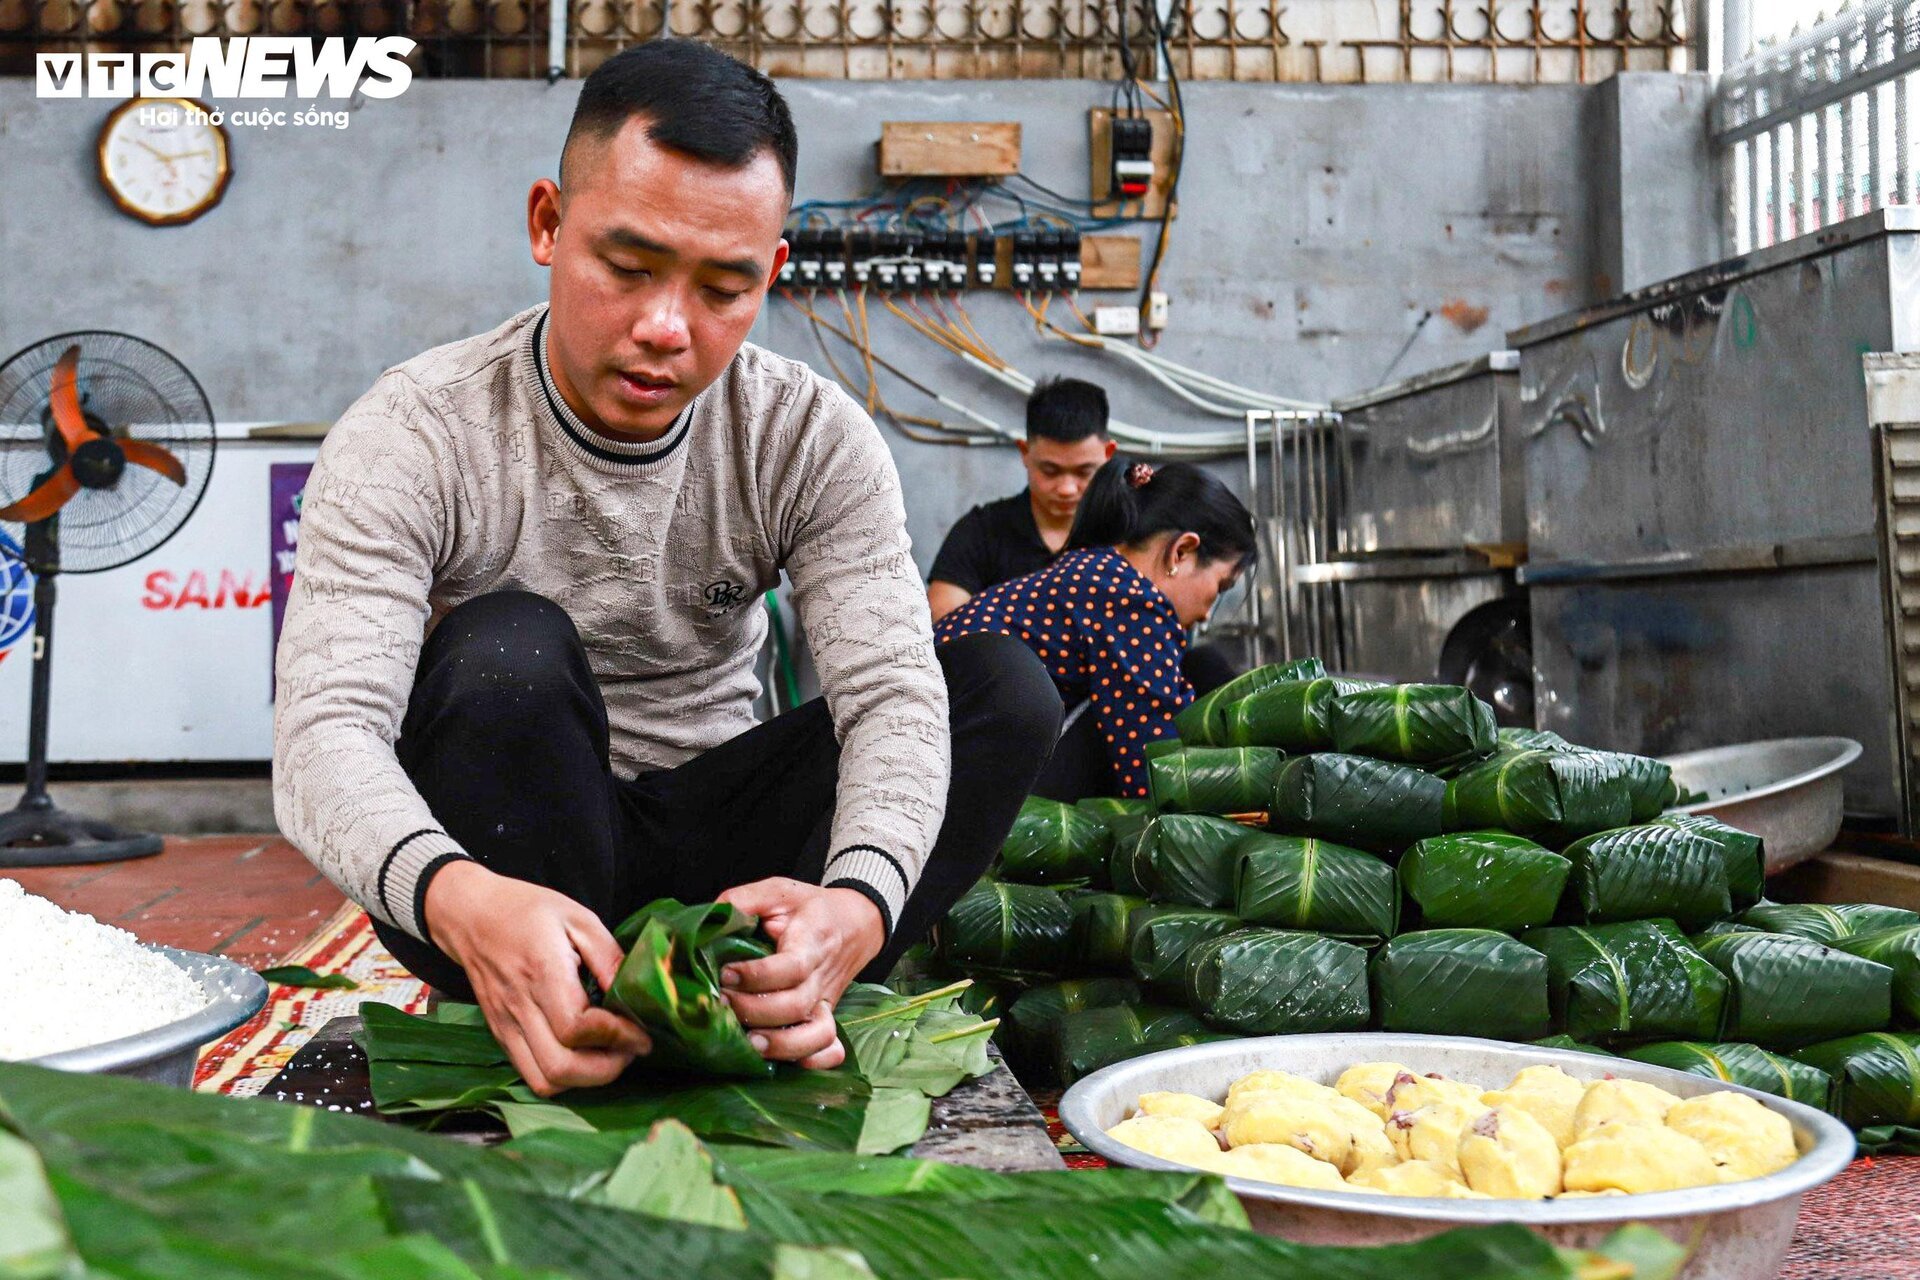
(909, 261)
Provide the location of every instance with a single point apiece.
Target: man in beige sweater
(516, 676)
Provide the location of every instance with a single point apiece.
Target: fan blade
(45, 500)
(154, 458)
(65, 397)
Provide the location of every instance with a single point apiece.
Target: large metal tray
(1785, 790)
(167, 1053)
(1739, 1231)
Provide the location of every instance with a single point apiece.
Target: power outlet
(1156, 311)
(1116, 322)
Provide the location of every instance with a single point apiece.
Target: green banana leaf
(1412, 723)
(1742, 1064)
(1290, 715)
(1483, 880)
(1575, 1046)
(1876, 1077)
(1899, 949)
(1035, 1015)
(1301, 882)
(1001, 927)
(1160, 938)
(233, 1189)
(670, 984)
(1550, 796)
(1123, 864)
(1091, 1039)
(1100, 929)
(1055, 843)
(1640, 980)
(1516, 739)
(1745, 854)
(1276, 982)
(1719, 927)
(1643, 873)
(924, 1043)
(1213, 779)
(1472, 982)
(1201, 723)
(1784, 991)
(299, 975)
(1824, 923)
(1187, 858)
(1369, 804)
(1161, 746)
(1104, 809)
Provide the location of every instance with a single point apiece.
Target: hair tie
(1138, 475)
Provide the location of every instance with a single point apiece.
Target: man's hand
(522, 947)
(825, 937)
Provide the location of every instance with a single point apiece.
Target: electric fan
(106, 445)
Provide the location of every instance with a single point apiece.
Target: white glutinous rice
(68, 981)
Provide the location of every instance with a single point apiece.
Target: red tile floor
(254, 899)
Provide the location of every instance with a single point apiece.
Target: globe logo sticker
(16, 595)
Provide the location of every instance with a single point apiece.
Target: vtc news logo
(240, 67)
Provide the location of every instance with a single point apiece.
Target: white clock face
(164, 165)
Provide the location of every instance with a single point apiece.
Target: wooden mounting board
(949, 149)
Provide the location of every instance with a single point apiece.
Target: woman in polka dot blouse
(1151, 550)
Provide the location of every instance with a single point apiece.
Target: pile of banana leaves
(1322, 853)
(109, 1177)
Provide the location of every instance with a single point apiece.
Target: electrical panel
(1132, 145)
(911, 260)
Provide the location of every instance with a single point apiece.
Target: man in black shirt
(1066, 443)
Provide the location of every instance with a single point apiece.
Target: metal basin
(166, 1054)
(1786, 791)
(1739, 1231)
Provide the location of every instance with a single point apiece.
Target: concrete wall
(1318, 225)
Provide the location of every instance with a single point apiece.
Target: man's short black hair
(1067, 410)
(696, 100)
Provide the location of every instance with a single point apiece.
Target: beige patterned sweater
(462, 471)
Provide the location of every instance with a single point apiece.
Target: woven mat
(1864, 1225)
(253, 1053)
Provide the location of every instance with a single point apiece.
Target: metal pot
(166, 1054)
(1738, 1231)
(1786, 791)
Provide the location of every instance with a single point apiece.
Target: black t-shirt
(991, 544)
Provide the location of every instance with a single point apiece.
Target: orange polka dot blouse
(1105, 633)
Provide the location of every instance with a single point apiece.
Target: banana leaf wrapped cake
(1008, 928)
(1742, 1064)
(1484, 880)
(1303, 882)
(1641, 980)
(1899, 949)
(1201, 723)
(1275, 982)
(1162, 935)
(1784, 991)
(1744, 854)
(1055, 843)
(1824, 923)
(1369, 804)
(1412, 723)
(1100, 929)
(1876, 1085)
(1032, 1019)
(1290, 715)
(1640, 873)
(1091, 1039)
(1180, 857)
(1649, 782)
(1551, 796)
(1450, 981)
(1213, 779)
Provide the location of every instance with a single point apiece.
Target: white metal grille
(1816, 130)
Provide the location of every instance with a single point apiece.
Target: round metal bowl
(1738, 1231)
(166, 1054)
(1786, 791)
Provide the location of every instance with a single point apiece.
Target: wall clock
(160, 163)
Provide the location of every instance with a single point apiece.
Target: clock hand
(188, 155)
(155, 150)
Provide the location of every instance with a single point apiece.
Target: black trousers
(505, 737)
(1080, 767)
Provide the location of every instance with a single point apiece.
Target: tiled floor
(253, 899)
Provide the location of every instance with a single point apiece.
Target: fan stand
(37, 833)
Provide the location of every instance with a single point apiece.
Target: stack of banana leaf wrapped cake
(1324, 854)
